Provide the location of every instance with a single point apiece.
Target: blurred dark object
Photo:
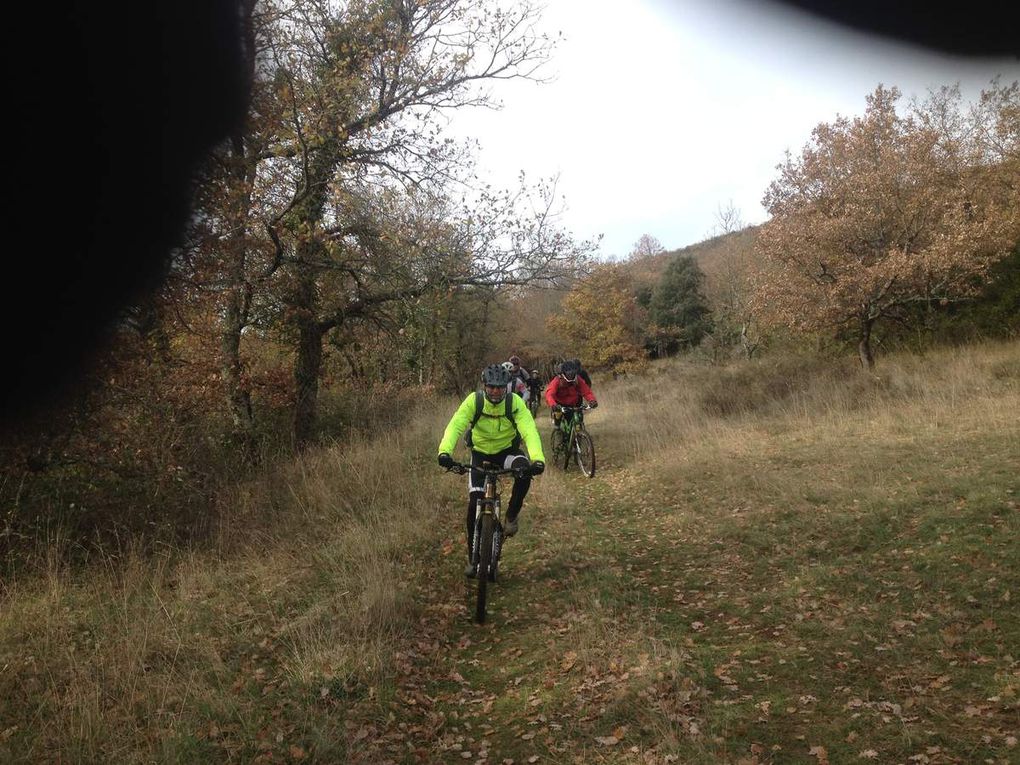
(981, 28)
(110, 110)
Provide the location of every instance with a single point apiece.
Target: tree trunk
(745, 342)
(237, 394)
(307, 361)
(305, 299)
(864, 345)
(235, 309)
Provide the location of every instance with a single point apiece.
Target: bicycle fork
(490, 504)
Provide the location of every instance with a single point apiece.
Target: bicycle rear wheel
(484, 561)
(584, 452)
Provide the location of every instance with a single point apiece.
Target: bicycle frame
(573, 419)
(489, 504)
(572, 430)
(488, 524)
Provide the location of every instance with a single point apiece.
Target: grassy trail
(769, 567)
(782, 597)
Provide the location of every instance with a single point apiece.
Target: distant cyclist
(516, 384)
(519, 377)
(534, 385)
(568, 388)
(496, 423)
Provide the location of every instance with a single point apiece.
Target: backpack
(508, 402)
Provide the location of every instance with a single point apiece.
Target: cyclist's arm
(550, 392)
(458, 424)
(585, 390)
(529, 433)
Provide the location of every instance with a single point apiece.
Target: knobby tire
(484, 559)
(584, 452)
(568, 451)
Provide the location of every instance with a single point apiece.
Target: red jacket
(559, 391)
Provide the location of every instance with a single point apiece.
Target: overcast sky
(662, 111)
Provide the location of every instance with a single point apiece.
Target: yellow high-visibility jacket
(493, 432)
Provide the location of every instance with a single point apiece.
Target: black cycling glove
(445, 460)
(537, 467)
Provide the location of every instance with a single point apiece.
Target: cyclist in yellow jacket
(496, 422)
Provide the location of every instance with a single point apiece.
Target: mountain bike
(533, 402)
(574, 442)
(487, 541)
(535, 391)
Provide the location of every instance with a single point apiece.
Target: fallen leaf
(569, 659)
(297, 753)
(607, 740)
(868, 754)
(821, 753)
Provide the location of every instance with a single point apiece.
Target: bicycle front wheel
(584, 452)
(484, 562)
(568, 451)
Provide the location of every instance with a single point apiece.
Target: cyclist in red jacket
(567, 389)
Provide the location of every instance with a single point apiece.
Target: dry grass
(328, 572)
(139, 657)
(683, 407)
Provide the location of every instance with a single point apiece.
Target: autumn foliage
(603, 322)
(889, 210)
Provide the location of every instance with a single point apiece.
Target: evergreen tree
(678, 302)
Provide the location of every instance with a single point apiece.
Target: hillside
(780, 562)
(715, 255)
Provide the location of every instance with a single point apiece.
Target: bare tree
(646, 247)
(728, 219)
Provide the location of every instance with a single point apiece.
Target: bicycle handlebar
(460, 469)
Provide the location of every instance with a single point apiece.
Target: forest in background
(342, 266)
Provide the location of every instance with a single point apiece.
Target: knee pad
(516, 462)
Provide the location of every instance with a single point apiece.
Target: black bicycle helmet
(495, 376)
(569, 370)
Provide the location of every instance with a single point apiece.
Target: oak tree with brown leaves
(602, 320)
(890, 209)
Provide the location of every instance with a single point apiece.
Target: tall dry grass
(682, 406)
(141, 657)
(312, 582)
